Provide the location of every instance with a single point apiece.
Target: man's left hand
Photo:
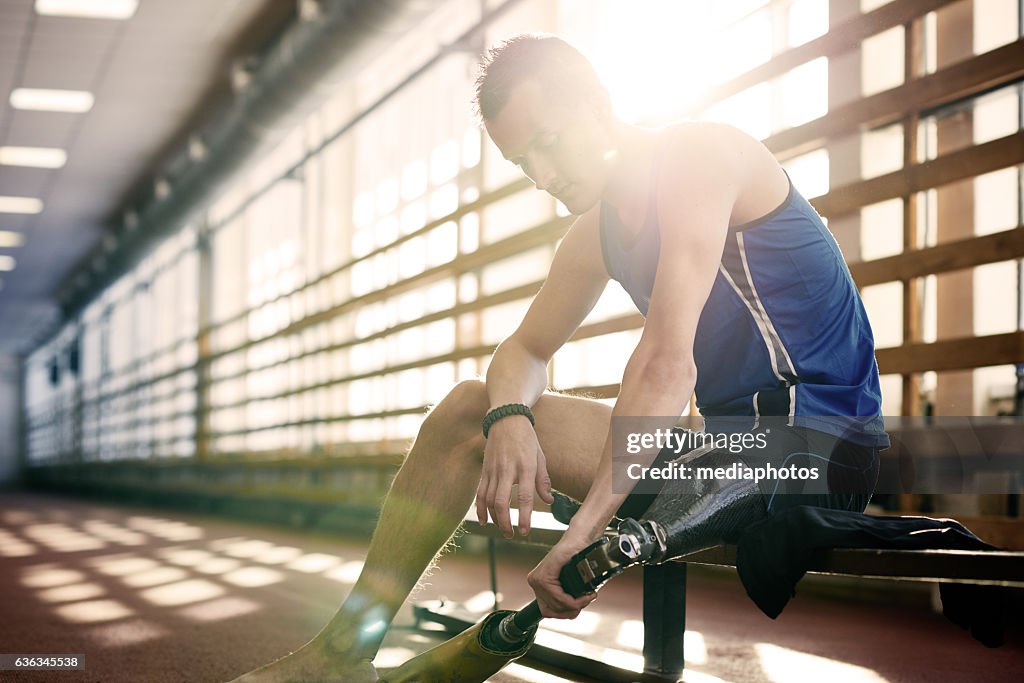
(555, 602)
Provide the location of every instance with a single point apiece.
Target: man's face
(563, 148)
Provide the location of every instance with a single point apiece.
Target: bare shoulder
(721, 159)
(706, 145)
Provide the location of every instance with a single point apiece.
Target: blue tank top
(783, 333)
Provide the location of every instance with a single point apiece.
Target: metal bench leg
(664, 620)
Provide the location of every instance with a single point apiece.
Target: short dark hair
(557, 66)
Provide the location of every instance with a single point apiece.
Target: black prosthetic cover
(697, 514)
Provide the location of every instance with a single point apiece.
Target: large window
(373, 258)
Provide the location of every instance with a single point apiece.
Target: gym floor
(157, 596)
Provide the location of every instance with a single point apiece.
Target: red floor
(148, 595)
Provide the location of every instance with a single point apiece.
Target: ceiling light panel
(34, 99)
(6, 262)
(20, 204)
(10, 239)
(88, 9)
(36, 157)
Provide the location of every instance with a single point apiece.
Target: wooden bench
(664, 592)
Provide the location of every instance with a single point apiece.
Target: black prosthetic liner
(701, 514)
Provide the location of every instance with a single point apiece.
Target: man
(746, 298)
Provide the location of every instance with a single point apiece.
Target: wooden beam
(546, 233)
(949, 168)
(630, 321)
(326, 419)
(943, 258)
(453, 356)
(913, 65)
(1000, 67)
(841, 38)
(965, 353)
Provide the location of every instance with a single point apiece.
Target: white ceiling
(152, 76)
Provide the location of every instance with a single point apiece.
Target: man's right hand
(512, 456)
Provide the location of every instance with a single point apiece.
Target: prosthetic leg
(688, 515)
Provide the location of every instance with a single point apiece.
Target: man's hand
(512, 456)
(555, 602)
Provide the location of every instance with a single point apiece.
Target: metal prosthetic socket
(686, 516)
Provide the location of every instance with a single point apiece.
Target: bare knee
(458, 416)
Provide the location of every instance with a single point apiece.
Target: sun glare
(783, 664)
(662, 59)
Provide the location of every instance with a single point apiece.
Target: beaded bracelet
(504, 411)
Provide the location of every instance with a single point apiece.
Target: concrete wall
(10, 407)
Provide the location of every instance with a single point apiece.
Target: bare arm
(518, 374)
